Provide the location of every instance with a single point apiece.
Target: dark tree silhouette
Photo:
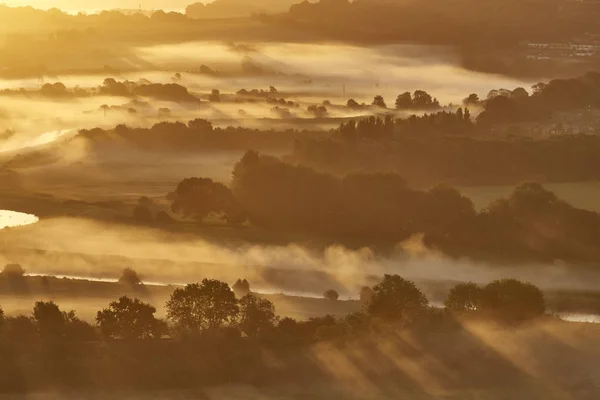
(21, 328)
(396, 298)
(130, 277)
(472, 100)
(13, 271)
(129, 319)
(200, 125)
(49, 319)
(331, 295)
(353, 104)
(404, 101)
(378, 102)
(512, 300)
(464, 297)
(257, 315)
(366, 294)
(142, 214)
(241, 288)
(199, 197)
(198, 307)
(215, 96)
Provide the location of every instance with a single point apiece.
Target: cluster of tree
(530, 224)
(420, 100)
(447, 147)
(209, 337)
(504, 106)
(236, 8)
(212, 305)
(195, 135)
(168, 92)
(111, 87)
(387, 128)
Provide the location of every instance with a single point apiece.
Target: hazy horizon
(97, 5)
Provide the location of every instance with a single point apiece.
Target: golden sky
(94, 5)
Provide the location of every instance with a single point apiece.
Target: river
(12, 218)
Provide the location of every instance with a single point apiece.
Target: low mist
(84, 248)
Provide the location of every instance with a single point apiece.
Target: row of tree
(212, 305)
(380, 207)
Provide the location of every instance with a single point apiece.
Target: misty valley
(284, 199)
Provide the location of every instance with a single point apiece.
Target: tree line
(213, 306)
(375, 208)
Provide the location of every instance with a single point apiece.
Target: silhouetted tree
(129, 319)
(331, 295)
(200, 124)
(404, 101)
(512, 300)
(423, 100)
(20, 328)
(49, 319)
(215, 96)
(257, 315)
(464, 297)
(142, 214)
(396, 298)
(199, 197)
(353, 104)
(366, 294)
(130, 277)
(241, 288)
(13, 271)
(472, 100)
(378, 102)
(198, 307)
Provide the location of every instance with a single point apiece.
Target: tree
(200, 124)
(404, 101)
(353, 104)
(13, 271)
(199, 307)
(130, 277)
(129, 319)
(464, 297)
(199, 197)
(49, 319)
(396, 298)
(512, 300)
(423, 100)
(241, 288)
(519, 94)
(21, 328)
(378, 102)
(256, 315)
(366, 294)
(215, 96)
(142, 214)
(1, 317)
(471, 100)
(331, 295)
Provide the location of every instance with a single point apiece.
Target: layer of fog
(91, 6)
(302, 73)
(85, 248)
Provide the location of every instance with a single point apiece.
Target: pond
(12, 218)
